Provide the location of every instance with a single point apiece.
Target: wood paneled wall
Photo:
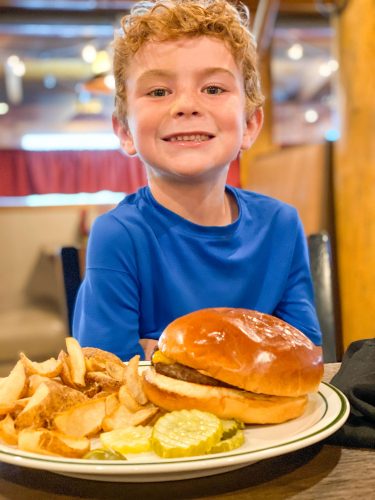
(300, 176)
(354, 169)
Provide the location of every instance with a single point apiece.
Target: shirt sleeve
(297, 305)
(107, 308)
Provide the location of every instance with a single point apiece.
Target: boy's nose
(185, 105)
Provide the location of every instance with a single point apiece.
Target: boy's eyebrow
(161, 73)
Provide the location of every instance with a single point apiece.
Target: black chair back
(72, 279)
(325, 293)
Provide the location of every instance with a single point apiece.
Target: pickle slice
(128, 440)
(230, 427)
(185, 433)
(229, 444)
(103, 454)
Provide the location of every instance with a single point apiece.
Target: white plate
(326, 411)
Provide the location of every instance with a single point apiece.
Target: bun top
(248, 349)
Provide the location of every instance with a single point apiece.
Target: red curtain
(40, 172)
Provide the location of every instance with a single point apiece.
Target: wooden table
(320, 471)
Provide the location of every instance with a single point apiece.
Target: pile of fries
(57, 406)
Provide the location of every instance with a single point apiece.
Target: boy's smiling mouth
(188, 137)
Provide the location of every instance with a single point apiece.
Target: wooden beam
(354, 170)
(264, 24)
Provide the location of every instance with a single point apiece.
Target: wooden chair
(322, 275)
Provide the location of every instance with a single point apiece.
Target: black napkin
(356, 379)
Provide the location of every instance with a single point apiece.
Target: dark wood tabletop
(320, 471)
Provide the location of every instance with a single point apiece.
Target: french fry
(50, 368)
(49, 442)
(13, 386)
(77, 361)
(8, 433)
(83, 420)
(134, 382)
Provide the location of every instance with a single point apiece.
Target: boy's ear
(123, 133)
(253, 126)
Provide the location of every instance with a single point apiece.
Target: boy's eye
(213, 89)
(159, 92)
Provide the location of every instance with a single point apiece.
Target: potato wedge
(102, 381)
(34, 382)
(111, 404)
(8, 433)
(77, 361)
(117, 419)
(49, 442)
(126, 398)
(50, 368)
(49, 398)
(134, 381)
(115, 371)
(84, 419)
(96, 358)
(122, 417)
(5, 409)
(13, 386)
(65, 374)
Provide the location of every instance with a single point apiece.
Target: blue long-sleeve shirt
(147, 265)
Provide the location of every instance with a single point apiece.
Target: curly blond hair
(165, 20)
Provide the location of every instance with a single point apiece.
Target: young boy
(188, 101)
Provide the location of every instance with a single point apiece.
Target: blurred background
(60, 165)
(56, 68)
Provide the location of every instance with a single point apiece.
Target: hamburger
(235, 363)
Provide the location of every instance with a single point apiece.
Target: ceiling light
(109, 81)
(311, 116)
(88, 53)
(49, 81)
(325, 70)
(16, 65)
(295, 52)
(102, 63)
(333, 65)
(4, 108)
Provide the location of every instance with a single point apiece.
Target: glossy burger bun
(247, 349)
(172, 394)
(273, 365)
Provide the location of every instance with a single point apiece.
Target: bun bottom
(172, 394)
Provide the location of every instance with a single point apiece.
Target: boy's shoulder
(126, 213)
(262, 202)
(128, 205)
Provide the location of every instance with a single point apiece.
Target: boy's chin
(189, 173)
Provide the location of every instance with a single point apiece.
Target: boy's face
(186, 108)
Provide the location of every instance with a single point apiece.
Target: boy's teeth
(195, 137)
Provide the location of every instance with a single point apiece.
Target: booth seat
(33, 317)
